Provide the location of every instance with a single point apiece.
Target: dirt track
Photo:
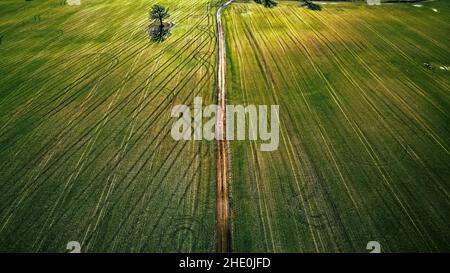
(223, 223)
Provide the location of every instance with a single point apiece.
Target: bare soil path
(223, 223)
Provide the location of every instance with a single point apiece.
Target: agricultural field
(364, 126)
(87, 156)
(85, 118)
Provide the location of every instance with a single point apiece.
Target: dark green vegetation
(159, 13)
(85, 147)
(365, 137)
(159, 30)
(267, 3)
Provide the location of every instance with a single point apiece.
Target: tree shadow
(312, 6)
(267, 3)
(159, 33)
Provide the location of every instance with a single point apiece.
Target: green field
(364, 145)
(85, 147)
(85, 116)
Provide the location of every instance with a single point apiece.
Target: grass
(85, 150)
(364, 134)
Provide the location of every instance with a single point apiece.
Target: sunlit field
(364, 127)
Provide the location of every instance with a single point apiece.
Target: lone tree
(159, 13)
